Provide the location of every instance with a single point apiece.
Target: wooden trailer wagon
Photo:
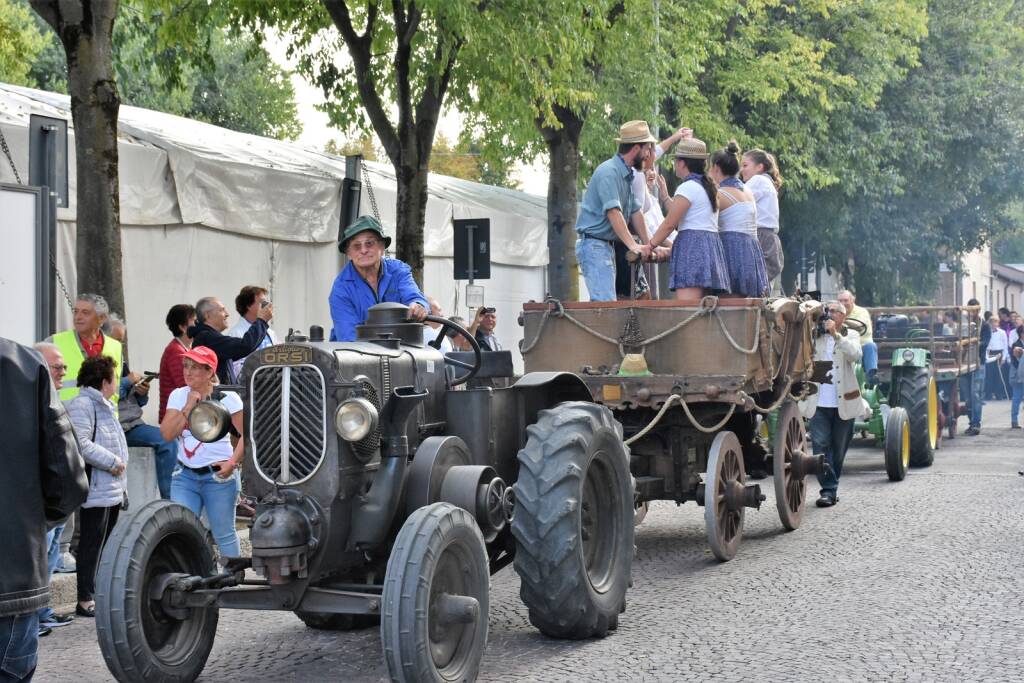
(688, 382)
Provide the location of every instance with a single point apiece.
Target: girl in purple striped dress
(737, 226)
(697, 261)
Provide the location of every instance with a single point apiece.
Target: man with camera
(250, 301)
(838, 402)
(483, 328)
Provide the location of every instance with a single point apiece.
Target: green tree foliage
(21, 41)
(363, 146)
(934, 169)
(235, 85)
(465, 160)
(386, 67)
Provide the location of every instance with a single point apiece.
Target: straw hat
(635, 133)
(691, 149)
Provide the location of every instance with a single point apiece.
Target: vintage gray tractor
(386, 496)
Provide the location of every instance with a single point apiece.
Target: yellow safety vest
(74, 355)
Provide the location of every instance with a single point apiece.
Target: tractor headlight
(209, 421)
(355, 419)
(908, 355)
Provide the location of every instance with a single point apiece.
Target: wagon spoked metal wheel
(724, 491)
(788, 459)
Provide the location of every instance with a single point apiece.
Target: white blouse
(699, 216)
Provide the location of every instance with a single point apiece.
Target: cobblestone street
(918, 580)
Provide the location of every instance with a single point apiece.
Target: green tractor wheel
(897, 444)
(919, 396)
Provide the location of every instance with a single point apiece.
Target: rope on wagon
(708, 306)
(686, 409)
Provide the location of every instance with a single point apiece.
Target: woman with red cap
(205, 477)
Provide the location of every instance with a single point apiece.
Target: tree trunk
(84, 28)
(410, 215)
(564, 152)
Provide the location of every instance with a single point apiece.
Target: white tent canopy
(205, 210)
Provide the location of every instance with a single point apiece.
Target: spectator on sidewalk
(86, 340)
(205, 478)
(997, 360)
(212, 320)
(48, 619)
(133, 393)
(105, 450)
(43, 481)
(977, 389)
(1016, 373)
(179, 319)
(484, 322)
(248, 303)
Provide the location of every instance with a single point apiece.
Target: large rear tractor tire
(574, 521)
(140, 637)
(897, 444)
(919, 396)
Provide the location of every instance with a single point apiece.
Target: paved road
(920, 580)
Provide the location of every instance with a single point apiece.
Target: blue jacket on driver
(351, 296)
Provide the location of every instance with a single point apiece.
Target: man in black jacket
(42, 482)
(212, 320)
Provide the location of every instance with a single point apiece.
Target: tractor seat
(493, 363)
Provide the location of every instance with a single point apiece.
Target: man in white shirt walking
(838, 401)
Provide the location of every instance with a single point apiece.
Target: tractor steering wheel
(472, 368)
(856, 325)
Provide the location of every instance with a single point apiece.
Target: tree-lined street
(918, 580)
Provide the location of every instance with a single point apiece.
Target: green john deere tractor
(904, 410)
(906, 415)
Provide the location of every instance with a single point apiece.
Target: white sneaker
(67, 564)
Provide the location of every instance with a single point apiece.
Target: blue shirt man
(369, 278)
(606, 201)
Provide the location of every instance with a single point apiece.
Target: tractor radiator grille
(288, 422)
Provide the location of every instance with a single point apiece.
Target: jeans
(19, 645)
(52, 558)
(869, 359)
(830, 435)
(977, 395)
(597, 262)
(1018, 394)
(199, 491)
(166, 453)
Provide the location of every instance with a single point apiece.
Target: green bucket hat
(362, 224)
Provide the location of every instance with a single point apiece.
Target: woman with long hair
(206, 476)
(760, 172)
(105, 451)
(737, 226)
(697, 262)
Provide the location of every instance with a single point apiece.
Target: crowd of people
(719, 232)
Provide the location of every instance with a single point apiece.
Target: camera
(826, 314)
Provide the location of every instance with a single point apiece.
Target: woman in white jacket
(105, 451)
